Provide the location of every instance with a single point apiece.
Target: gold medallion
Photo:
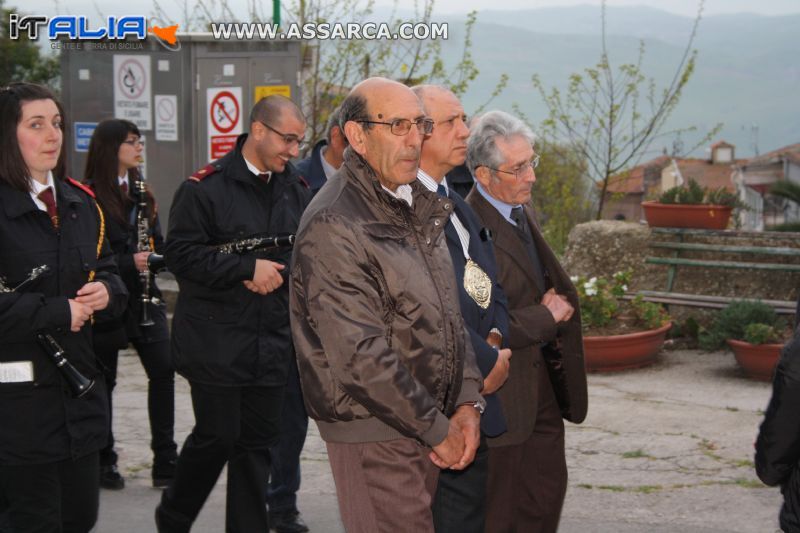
(477, 284)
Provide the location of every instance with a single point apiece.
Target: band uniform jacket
(40, 421)
(123, 238)
(777, 457)
(531, 327)
(223, 333)
(479, 321)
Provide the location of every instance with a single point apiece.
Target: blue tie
(441, 191)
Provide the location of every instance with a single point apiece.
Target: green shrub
(760, 334)
(694, 193)
(732, 321)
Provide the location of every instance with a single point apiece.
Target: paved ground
(663, 449)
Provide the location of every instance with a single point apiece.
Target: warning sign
(132, 98)
(166, 117)
(262, 91)
(224, 119)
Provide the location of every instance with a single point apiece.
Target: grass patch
(636, 454)
(732, 409)
(648, 489)
(612, 488)
(748, 483)
(745, 463)
(584, 486)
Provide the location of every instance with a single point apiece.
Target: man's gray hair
(481, 146)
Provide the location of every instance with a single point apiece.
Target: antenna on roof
(754, 137)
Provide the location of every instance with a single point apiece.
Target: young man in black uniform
(230, 335)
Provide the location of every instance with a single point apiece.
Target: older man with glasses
(387, 368)
(547, 380)
(230, 333)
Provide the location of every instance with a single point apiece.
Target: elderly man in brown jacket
(547, 380)
(386, 366)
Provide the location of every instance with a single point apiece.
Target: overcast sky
(443, 7)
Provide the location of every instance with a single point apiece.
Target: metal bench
(714, 302)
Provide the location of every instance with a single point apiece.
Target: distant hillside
(748, 73)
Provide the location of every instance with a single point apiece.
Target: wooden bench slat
(678, 261)
(766, 250)
(713, 302)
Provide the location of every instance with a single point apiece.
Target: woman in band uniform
(112, 171)
(50, 439)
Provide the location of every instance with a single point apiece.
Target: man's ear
(483, 175)
(257, 131)
(356, 137)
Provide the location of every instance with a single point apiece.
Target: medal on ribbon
(477, 284)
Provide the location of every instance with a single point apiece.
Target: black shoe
(110, 478)
(287, 522)
(163, 473)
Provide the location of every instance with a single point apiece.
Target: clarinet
(256, 243)
(78, 383)
(143, 245)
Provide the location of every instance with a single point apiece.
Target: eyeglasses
(520, 172)
(288, 138)
(401, 126)
(134, 142)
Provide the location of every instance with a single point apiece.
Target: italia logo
(78, 28)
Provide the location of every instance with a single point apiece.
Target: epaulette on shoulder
(82, 187)
(303, 181)
(204, 172)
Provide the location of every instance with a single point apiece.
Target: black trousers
(285, 471)
(233, 425)
(155, 358)
(58, 497)
(460, 502)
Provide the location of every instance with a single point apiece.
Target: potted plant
(618, 333)
(755, 334)
(692, 206)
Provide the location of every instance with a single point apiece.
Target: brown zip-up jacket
(381, 345)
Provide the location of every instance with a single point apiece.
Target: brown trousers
(528, 481)
(384, 486)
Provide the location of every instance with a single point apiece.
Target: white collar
(431, 183)
(329, 169)
(252, 168)
(403, 192)
(37, 188)
(124, 179)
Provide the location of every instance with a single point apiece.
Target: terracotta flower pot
(621, 352)
(702, 216)
(757, 360)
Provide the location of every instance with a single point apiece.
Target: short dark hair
(13, 170)
(354, 108)
(102, 166)
(270, 109)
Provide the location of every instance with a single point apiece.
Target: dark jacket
(531, 328)
(479, 321)
(40, 420)
(778, 444)
(223, 333)
(122, 237)
(460, 180)
(311, 168)
(381, 347)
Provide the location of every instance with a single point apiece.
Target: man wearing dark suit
(460, 501)
(284, 477)
(326, 157)
(547, 380)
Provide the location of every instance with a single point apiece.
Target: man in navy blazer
(459, 504)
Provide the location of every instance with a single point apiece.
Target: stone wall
(603, 247)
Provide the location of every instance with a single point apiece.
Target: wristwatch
(479, 406)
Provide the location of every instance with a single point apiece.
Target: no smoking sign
(224, 119)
